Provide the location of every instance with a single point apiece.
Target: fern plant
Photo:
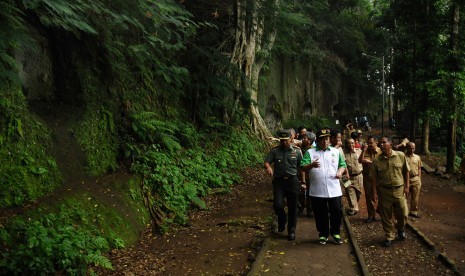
(149, 128)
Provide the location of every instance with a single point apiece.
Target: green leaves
(99, 260)
(39, 248)
(70, 16)
(178, 181)
(148, 127)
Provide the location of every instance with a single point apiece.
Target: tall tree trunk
(252, 37)
(413, 117)
(452, 125)
(425, 134)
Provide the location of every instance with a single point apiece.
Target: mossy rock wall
(291, 89)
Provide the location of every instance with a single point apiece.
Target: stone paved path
(305, 256)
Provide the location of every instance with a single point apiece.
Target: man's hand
(269, 170)
(367, 161)
(315, 164)
(406, 190)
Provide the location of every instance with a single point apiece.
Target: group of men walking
(311, 171)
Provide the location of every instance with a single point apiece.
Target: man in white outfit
(326, 166)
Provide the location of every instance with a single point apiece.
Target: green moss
(97, 136)
(27, 170)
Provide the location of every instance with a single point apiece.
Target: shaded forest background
(184, 94)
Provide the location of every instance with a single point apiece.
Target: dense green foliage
(176, 180)
(155, 87)
(74, 233)
(71, 235)
(109, 59)
(427, 62)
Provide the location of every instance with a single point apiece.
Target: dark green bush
(178, 180)
(69, 235)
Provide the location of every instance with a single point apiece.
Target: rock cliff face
(291, 90)
(35, 68)
(288, 89)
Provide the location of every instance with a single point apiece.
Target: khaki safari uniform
(354, 191)
(285, 183)
(367, 182)
(415, 182)
(389, 174)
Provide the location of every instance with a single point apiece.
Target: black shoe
(414, 215)
(291, 237)
(351, 212)
(368, 220)
(401, 234)
(323, 240)
(337, 239)
(387, 243)
(281, 228)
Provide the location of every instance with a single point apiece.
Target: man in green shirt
(286, 159)
(325, 166)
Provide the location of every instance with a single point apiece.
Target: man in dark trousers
(326, 166)
(286, 159)
(304, 197)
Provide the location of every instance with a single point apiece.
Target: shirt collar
(317, 148)
(393, 153)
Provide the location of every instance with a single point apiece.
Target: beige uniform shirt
(353, 165)
(389, 171)
(370, 156)
(415, 165)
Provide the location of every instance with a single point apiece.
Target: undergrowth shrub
(51, 244)
(70, 235)
(175, 181)
(27, 170)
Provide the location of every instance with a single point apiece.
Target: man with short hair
(414, 162)
(369, 152)
(294, 138)
(325, 165)
(286, 159)
(354, 167)
(335, 140)
(301, 132)
(390, 175)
